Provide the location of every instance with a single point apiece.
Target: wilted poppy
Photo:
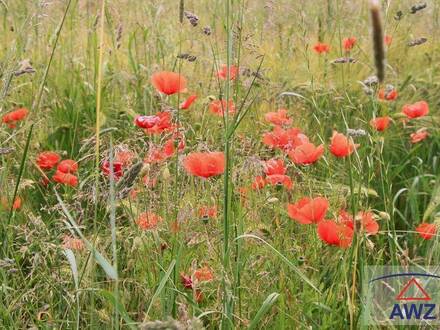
(67, 179)
(334, 233)
(278, 118)
(427, 230)
(306, 153)
(418, 136)
(148, 220)
(223, 72)
(47, 160)
(321, 48)
(380, 123)
(187, 103)
(274, 166)
(416, 110)
(307, 210)
(341, 146)
(348, 43)
(67, 166)
(73, 243)
(168, 82)
(15, 116)
(205, 164)
(218, 107)
(186, 281)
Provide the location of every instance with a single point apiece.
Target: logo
(401, 296)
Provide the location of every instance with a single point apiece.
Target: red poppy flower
(341, 146)
(364, 218)
(416, 110)
(223, 72)
(348, 43)
(159, 154)
(388, 40)
(278, 118)
(205, 164)
(284, 139)
(203, 274)
(67, 166)
(279, 180)
(258, 183)
(274, 166)
(15, 206)
(427, 230)
(307, 210)
(387, 94)
(47, 160)
(218, 107)
(418, 136)
(380, 123)
(321, 48)
(65, 178)
(125, 157)
(306, 153)
(206, 212)
(148, 220)
(187, 103)
(334, 233)
(15, 116)
(146, 121)
(117, 169)
(163, 124)
(168, 82)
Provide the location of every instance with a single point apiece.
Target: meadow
(184, 164)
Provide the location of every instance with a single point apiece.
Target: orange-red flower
(148, 220)
(65, 178)
(348, 43)
(47, 160)
(321, 48)
(380, 123)
(284, 139)
(418, 136)
(15, 116)
(274, 166)
(341, 146)
(307, 210)
(218, 107)
(187, 103)
(117, 169)
(168, 82)
(306, 153)
(387, 94)
(146, 121)
(427, 230)
(388, 39)
(205, 164)
(159, 154)
(206, 212)
(15, 206)
(279, 180)
(364, 218)
(278, 118)
(67, 166)
(258, 183)
(203, 274)
(223, 72)
(416, 110)
(334, 233)
(163, 123)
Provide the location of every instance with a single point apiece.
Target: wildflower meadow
(215, 164)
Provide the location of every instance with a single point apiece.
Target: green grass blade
(267, 304)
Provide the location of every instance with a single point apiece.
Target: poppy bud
(166, 174)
